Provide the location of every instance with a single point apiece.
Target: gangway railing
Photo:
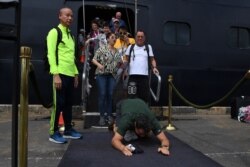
(156, 96)
(85, 78)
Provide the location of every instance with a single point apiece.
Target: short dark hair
(95, 22)
(109, 34)
(105, 24)
(141, 30)
(142, 122)
(123, 28)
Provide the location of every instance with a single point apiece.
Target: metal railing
(85, 79)
(156, 96)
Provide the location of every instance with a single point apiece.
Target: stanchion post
(247, 75)
(170, 92)
(23, 114)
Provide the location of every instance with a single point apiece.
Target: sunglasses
(122, 33)
(112, 37)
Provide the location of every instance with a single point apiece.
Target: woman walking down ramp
(106, 59)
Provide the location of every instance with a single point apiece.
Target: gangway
(89, 97)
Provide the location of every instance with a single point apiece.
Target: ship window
(239, 37)
(177, 33)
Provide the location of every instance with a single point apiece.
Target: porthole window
(239, 37)
(177, 33)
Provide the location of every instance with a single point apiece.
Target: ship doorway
(104, 13)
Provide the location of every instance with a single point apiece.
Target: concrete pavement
(217, 136)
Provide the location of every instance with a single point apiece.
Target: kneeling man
(135, 120)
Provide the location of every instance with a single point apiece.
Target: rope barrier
(173, 88)
(32, 77)
(246, 76)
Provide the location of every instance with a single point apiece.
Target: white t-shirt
(139, 60)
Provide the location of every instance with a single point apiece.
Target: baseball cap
(116, 20)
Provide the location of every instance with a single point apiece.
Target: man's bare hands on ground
(127, 151)
(164, 150)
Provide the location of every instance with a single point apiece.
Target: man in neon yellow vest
(65, 77)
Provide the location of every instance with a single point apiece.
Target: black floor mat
(95, 150)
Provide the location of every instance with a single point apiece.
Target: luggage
(244, 114)
(237, 103)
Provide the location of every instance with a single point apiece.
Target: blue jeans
(105, 84)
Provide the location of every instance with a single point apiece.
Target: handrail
(156, 96)
(85, 76)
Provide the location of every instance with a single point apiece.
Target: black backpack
(45, 58)
(132, 50)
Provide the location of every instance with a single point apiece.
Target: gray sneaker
(102, 121)
(130, 135)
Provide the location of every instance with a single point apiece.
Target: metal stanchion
(23, 114)
(247, 75)
(170, 90)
